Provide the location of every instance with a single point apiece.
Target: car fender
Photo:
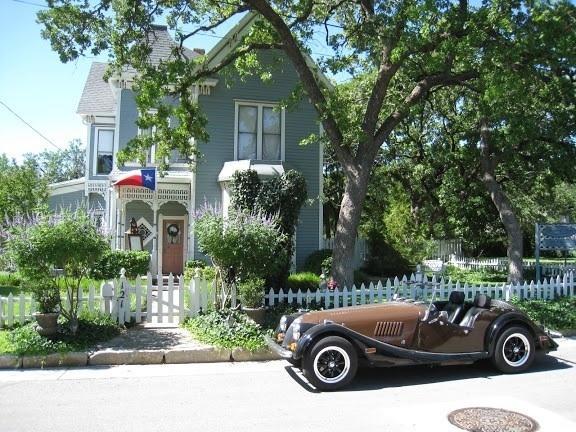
(505, 320)
(322, 330)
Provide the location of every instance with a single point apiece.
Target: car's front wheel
(331, 363)
(514, 350)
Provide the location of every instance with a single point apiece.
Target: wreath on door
(173, 232)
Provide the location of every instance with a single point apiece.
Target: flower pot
(47, 323)
(258, 315)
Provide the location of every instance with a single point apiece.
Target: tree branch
(309, 81)
(419, 92)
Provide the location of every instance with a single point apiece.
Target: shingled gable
(98, 97)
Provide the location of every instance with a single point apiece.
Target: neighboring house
(245, 132)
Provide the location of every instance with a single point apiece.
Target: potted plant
(251, 295)
(47, 297)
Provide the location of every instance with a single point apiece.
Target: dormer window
(104, 151)
(259, 131)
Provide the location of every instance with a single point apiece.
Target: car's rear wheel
(514, 350)
(331, 363)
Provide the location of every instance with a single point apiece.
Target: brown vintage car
(329, 345)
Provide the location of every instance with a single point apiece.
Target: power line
(30, 126)
(30, 3)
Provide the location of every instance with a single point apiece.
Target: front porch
(162, 218)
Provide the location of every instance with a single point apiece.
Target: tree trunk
(505, 210)
(355, 188)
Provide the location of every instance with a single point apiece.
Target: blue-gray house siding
(300, 122)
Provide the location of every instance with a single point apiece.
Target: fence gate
(144, 301)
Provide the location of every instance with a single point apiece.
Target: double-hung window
(259, 131)
(104, 150)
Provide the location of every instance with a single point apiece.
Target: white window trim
(260, 105)
(95, 149)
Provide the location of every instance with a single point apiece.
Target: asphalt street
(268, 396)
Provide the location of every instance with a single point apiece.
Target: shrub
(108, 267)
(195, 264)
(10, 279)
(557, 314)
(314, 261)
(67, 241)
(93, 328)
(282, 196)
(248, 244)
(303, 281)
(227, 329)
(251, 292)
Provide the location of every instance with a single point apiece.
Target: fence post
(106, 292)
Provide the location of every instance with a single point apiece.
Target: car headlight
(283, 323)
(296, 329)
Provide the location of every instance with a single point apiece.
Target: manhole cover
(491, 420)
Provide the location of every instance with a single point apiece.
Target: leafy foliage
(281, 196)
(395, 54)
(313, 263)
(92, 329)
(251, 292)
(61, 165)
(226, 329)
(112, 261)
(22, 189)
(68, 241)
(249, 243)
(303, 281)
(558, 314)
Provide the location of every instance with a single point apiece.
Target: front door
(173, 246)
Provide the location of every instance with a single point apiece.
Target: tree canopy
(394, 53)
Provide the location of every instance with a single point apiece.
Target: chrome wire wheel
(516, 350)
(331, 364)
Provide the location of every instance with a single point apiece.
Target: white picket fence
(419, 286)
(140, 300)
(501, 264)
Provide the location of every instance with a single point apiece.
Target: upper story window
(259, 131)
(104, 150)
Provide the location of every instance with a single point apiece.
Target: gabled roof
(97, 96)
(234, 37)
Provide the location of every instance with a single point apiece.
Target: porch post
(118, 242)
(154, 256)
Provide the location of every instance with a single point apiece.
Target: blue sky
(35, 85)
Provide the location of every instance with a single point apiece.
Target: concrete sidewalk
(142, 344)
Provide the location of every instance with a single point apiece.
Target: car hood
(349, 316)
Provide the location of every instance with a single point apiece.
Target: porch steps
(164, 282)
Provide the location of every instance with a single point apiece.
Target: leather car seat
(481, 303)
(455, 306)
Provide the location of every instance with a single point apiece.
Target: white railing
(140, 300)
(420, 286)
(501, 264)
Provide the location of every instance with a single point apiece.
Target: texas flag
(142, 177)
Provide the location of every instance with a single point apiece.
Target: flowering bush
(54, 251)
(241, 246)
(249, 243)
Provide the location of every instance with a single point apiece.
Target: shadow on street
(380, 378)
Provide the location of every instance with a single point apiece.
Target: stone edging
(134, 357)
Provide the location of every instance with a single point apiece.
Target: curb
(134, 357)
